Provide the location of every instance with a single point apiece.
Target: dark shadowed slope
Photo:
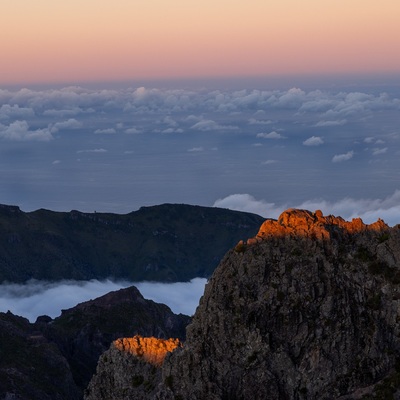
(163, 243)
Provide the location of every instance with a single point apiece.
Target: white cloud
(92, 151)
(69, 124)
(170, 121)
(181, 297)
(270, 135)
(48, 298)
(377, 151)
(210, 125)
(15, 111)
(370, 210)
(132, 131)
(36, 298)
(196, 149)
(107, 131)
(313, 141)
(253, 121)
(19, 131)
(369, 140)
(343, 157)
(193, 118)
(333, 108)
(293, 98)
(247, 203)
(269, 162)
(331, 123)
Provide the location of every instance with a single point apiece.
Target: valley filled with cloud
(35, 298)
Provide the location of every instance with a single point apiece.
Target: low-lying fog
(36, 298)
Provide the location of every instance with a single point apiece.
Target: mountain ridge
(166, 243)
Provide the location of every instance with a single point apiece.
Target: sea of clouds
(117, 149)
(35, 298)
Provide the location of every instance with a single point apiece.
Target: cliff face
(308, 309)
(130, 369)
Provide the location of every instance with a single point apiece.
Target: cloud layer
(36, 298)
(118, 149)
(370, 210)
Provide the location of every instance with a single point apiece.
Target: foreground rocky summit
(56, 358)
(143, 356)
(308, 309)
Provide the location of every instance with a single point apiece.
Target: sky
(46, 41)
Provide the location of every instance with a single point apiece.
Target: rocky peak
(129, 295)
(130, 369)
(305, 223)
(309, 309)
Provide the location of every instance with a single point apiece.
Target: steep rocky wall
(131, 368)
(307, 309)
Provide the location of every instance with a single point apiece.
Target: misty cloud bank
(369, 210)
(36, 298)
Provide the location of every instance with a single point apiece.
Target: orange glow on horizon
(99, 40)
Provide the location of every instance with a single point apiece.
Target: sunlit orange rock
(315, 225)
(150, 349)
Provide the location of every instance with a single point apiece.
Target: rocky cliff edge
(307, 309)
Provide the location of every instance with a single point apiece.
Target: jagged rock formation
(55, 359)
(143, 355)
(308, 309)
(170, 243)
(85, 331)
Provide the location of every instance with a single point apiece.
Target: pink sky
(80, 40)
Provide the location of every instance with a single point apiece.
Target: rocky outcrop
(55, 359)
(130, 369)
(308, 309)
(85, 331)
(303, 223)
